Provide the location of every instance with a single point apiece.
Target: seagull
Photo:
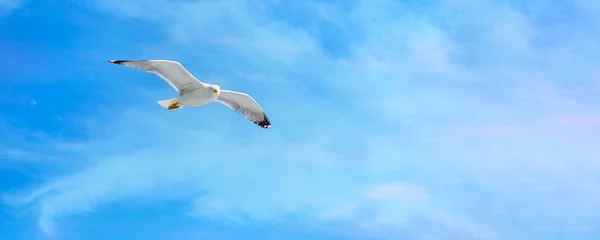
(192, 92)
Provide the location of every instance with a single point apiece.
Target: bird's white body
(197, 97)
(194, 93)
(191, 98)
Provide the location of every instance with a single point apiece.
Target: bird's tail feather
(170, 104)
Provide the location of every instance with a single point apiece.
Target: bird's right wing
(172, 72)
(245, 105)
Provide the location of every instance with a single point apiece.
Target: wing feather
(245, 105)
(172, 72)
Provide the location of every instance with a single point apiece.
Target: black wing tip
(120, 62)
(264, 123)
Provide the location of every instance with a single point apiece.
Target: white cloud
(7, 6)
(396, 191)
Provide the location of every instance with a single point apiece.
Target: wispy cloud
(451, 119)
(6, 6)
(396, 190)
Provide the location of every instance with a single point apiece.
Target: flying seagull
(192, 92)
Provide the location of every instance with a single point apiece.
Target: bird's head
(214, 88)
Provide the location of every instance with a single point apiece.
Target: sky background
(415, 119)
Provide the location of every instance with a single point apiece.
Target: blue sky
(465, 119)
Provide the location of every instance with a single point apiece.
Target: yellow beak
(216, 90)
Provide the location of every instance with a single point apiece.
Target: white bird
(193, 92)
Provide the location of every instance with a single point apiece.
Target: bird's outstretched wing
(245, 105)
(172, 72)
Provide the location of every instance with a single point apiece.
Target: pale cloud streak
(11, 4)
(457, 134)
(8, 6)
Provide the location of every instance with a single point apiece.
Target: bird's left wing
(245, 105)
(171, 71)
